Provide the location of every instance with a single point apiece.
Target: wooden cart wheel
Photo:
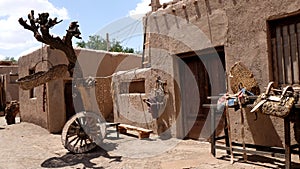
(83, 132)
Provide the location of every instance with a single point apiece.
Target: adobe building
(191, 44)
(9, 88)
(51, 105)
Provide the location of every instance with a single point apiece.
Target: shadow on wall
(163, 121)
(262, 137)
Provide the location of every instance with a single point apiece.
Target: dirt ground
(27, 146)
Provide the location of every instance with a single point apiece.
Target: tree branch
(40, 27)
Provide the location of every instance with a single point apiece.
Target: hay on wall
(42, 77)
(240, 75)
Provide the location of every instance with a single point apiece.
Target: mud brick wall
(240, 27)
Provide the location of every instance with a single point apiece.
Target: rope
(208, 12)
(42, 52)
(44, 97)
(44, 87)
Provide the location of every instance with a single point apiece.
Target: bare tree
(40, 27)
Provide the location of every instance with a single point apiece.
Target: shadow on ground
(261, 161)
(71, 159)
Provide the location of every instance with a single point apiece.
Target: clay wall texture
(31, 109)
(99, 64)
(241, 28)
(130, 108)
(11, 88)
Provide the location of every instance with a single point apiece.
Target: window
(13, 78)
(135, 86)
(284, 47)
(31, 91)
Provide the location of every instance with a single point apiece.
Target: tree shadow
(71, 159)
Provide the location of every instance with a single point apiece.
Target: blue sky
(94, 17)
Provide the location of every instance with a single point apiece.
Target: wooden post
(287, 142)
(155, 4)
(107, 42)
(213, 131)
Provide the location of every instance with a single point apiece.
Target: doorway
(208, 70)
(70, 110)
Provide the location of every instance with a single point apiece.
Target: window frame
(285, 23)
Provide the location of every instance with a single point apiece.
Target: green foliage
(98, 43)
(10, 59)
(81, 44)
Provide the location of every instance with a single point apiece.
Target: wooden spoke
(71, 135)
(77, 122)
(85, 142)
(74, 124)
(76, 141)
(81, 140)
(83, 131)
(73, 140)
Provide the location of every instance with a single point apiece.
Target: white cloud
(2, 57)
(12, 34)
(143, 7)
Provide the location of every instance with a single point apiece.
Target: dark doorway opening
(70, 110)
(73, 101)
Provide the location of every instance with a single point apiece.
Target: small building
(193, 44)
(9, 88)
(51, 105)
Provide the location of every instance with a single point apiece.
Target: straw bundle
(241, 76)
(42, 77)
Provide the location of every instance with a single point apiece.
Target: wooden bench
(143, 133)
(108, 124)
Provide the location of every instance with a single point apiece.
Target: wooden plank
(142, 133)
(275, 66)
(216, 75)
(197, 9)
(191, 113)
(213, 131)
(257, 152)
(298, 44)
(209, 105)
(227, 132)
(144, 130)
(294, 53)
(280, 60)
(129, 127)
(114, 124)
(111, 124)
(287, 56)
(208, 6)
(287, 142)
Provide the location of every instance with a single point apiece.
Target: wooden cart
(86, 129)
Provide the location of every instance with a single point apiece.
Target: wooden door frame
(218, 49)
